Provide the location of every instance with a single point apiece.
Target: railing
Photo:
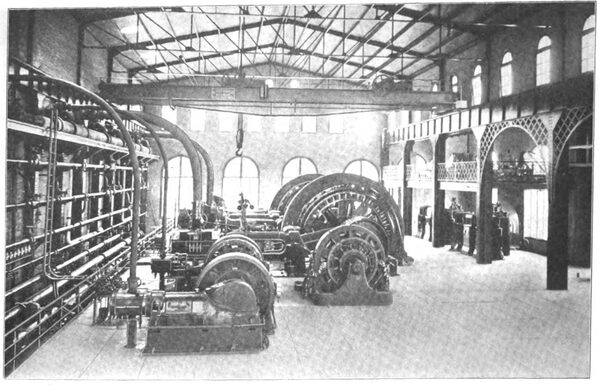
(520, 171)
(417, 173)
(457, 172)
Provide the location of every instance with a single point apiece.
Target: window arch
(506, 75)
(241, 175)
(454, 83)
(180, 192)
(476, 86)
(296, 167)
(542, 61)
(435, 87)
(587, 44)
(363, 168)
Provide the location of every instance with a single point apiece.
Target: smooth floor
(451, 318)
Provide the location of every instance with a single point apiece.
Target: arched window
(506, 75)
(435, 87)
(454, 83)
(296, 167)
(363, 168)
(587, 44)
(240, 176)
(476, 86)
(180, 192)
(542, 61)
(169, 114)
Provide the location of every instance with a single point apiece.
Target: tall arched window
(587, 44)
(542, 61)
(454, 83)
(240, 176)
(506, 75)
(180, 192)
(476, 86)
(363, 168)
(296, 167)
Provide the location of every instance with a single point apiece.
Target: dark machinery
(231, 309)
(306, 218)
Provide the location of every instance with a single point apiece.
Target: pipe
(132, 281)
(73, 197)
(17, 309)
(74, 165)
(35, 279)
(163, 155)
(187, 143)
(72, 226)
(210, 172)
(73, 243)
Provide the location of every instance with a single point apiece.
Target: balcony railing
(519, 171)
(417, 173)
(457, 172)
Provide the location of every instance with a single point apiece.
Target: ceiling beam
(455, 12)
(277, 97)
(235, 28)
(203, 57)
(397, 35)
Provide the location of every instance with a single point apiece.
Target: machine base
(354, 292)
(205, 339)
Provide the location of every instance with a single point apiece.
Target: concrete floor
(451, 318)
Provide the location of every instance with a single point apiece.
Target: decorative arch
(567, 124)
(533, 125)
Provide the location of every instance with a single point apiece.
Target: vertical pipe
(185, 140)
(80, 41)
(163, 155)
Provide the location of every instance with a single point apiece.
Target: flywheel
(234, 242)
(330, 200)
(242, 266)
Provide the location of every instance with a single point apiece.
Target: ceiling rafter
(240, 51)
(147, 43)
(454, 13)
(407, 27)
(312, 46)
(345, 36)
(496, 10)
(390, 14)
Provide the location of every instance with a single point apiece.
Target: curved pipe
(163, 155)
(210, 172)
(185, 140)
(135, 222)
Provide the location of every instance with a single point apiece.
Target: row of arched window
(241, 174)
(543, 65)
